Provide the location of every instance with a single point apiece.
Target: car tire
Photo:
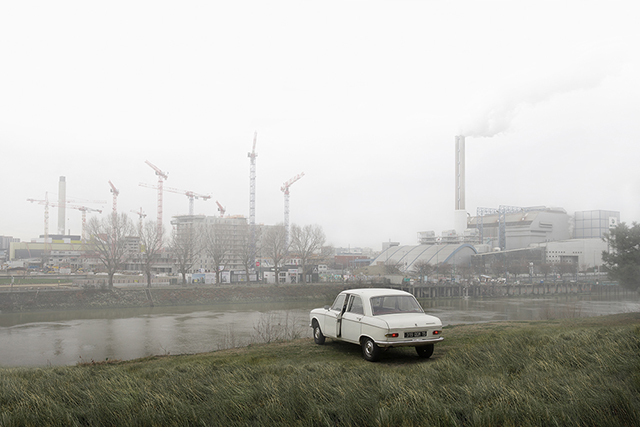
(425, 351)
(370, 350)
(318, 336)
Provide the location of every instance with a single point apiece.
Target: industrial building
(521, 227)
(536, 236)
(71, 253)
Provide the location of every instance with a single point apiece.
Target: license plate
(416, 334)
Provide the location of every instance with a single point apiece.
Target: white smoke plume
(583, 73)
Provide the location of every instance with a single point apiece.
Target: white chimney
(460, 214)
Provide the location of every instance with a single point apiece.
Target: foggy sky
(365, 98)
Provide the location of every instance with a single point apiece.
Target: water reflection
(65, 338)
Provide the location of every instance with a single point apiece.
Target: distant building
(584, 253)
(521, 228)
(5, 245)
(54, 252)
(537, 235)
(469, 235)
(233, 237)
(594, 224)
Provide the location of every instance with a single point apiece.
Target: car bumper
(409, 342)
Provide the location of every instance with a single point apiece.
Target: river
(67, 337)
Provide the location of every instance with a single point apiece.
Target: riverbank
(562, 372)
(75, 298)
(67, 296)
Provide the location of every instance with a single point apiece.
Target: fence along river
(68, 337)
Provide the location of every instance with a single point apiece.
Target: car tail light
(436, 332)
(393, 335)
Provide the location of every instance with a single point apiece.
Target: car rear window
(393, 304)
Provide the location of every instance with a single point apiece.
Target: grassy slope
(582, 371)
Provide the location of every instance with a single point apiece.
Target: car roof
(375, 292)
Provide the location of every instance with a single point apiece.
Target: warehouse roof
(407, 256)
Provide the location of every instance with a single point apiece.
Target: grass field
(579, 371)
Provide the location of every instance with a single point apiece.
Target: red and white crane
(161, 177)
(190, 194)
(47, 203)
(221, 209)
(285, 190)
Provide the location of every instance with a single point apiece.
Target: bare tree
(546, 268)
(444, 269)
(392, 267)
(108, 238)
(217, 244)
(185, 245)
(305, 243)
(568, 267)
(274, 245)
(150, 247)
(517, 266)
(422, 268)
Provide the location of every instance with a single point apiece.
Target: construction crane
(190, 194)
(115, 193)
(161, 177)
(47, 203)
(221, 209)
(252, 200)
(285, 190)
(142, 215)
(77, 200)
(252, 181)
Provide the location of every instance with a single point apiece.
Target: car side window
(355, 305)
(338, 303)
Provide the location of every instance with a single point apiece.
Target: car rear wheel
(370, 350)
(425, 351)
(318, 336)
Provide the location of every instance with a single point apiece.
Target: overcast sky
(364, 97)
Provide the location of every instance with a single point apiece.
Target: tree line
(114, 241)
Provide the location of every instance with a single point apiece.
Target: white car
(377, 319)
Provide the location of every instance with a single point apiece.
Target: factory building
(548, 240)
(542, 239)
(52, 252)
(594, 224)
(521, 228)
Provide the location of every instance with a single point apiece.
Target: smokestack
(460, 214)
(62, 201)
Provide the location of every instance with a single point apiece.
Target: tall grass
(564, 372)
(270, 327)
